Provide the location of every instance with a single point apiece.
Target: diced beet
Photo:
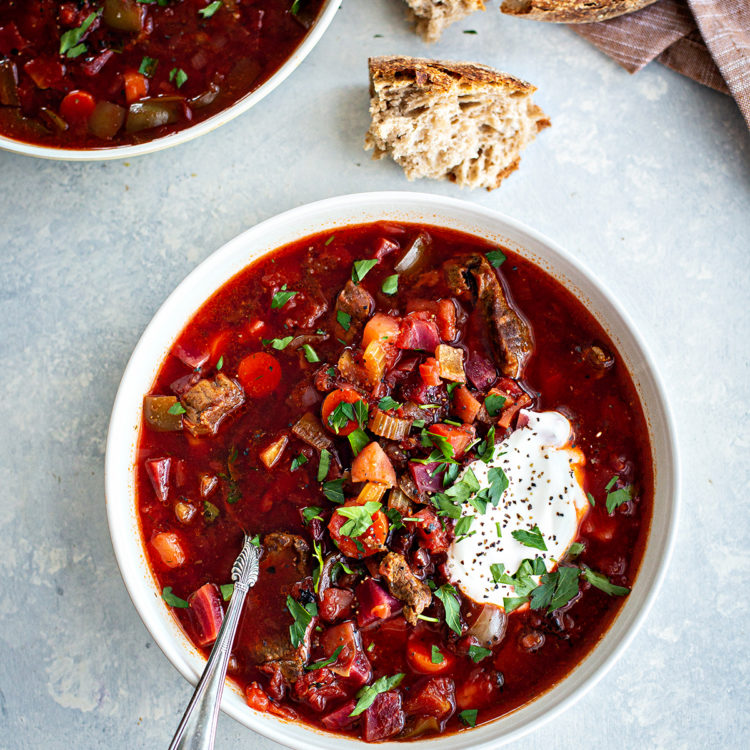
(480, 372)
(193, 359)
(418, 333)
(351, 664)
(375, 603)
(184, 383)
(335, 604)
(158, 473)
(207, 612)
(340, 719)
(360, 671)
(316, 688)
(425, 478)
(435, 696)
(384, 718)
(383, 247)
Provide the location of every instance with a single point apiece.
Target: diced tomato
(136, 86)
(478, 690)
(331, 401)
(77, 106)
(335, 604)
(434, 697)
(372, 465)
(316, 688)
(351, 663)
(446, 319)
(430, 532)
(429, 370)
(465, 406)
(368, 543)
(458, 437)
(256, 697)
(169, 548)
(380, 327)
(383, 247)
(158, 472)
(423, 659)
(207, 613)
(259, 374)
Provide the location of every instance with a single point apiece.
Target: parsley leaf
(591, 500)
(176, 408)
(171, 599)
(360, 518)
(496, 258)
(148, 66)
(325, 662)
(498, 484)
(361, 412)
(343, 319)
(390, 285)
(361, 269)
(333, 236)
(281, 298)
(575, 549)
(277, 344)
(469, 717)
(324, 465)
(531, 538)
(497, 570)
(494, 403)
(601, 582)
(310, 354)
(447, 595)
(387, 403)
(227, 589)
(366, 696)
(512, 603)
(340, 417)
(255, 541)
(179, 76)
(619, 497)
(358, 440)
(555, 589)
(298, 461)
(210, 9)
(435, 656)
(220, 363)
(334, 491)
(69, 41)
(302, 615)
(462, 528)
(311, 512)
(477, 653)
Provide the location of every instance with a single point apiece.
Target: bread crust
(444, 74)
(572, 11)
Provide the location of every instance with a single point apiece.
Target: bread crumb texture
(456, 121)
(432, 16)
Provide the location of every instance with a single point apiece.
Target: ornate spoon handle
(198, 725)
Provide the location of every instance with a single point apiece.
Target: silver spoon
(198, 725)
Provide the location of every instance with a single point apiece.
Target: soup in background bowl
(449, 455)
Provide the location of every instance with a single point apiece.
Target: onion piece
(157, 414)
(309, 429)
(450, 359)
(489, 628)
(273, 452)
(414, 254)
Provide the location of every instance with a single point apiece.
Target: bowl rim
(222, 117)
(432, 206)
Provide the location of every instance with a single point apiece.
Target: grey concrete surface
(644, 177)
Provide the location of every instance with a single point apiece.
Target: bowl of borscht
(451, 446)
(88, 80)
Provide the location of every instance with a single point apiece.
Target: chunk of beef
(472, 277)
(208, 402)
(264, 628)
(357, 303)
(404, 585)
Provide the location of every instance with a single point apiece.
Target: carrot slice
(259, 374)
(77, 106)
(380, 327)
(372, 465)
(169, 548)
(136, 86)
(331, 401)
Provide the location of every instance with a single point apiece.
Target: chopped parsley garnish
(497, 570)
(70, 42)
(366, 696)
(462, 528)
(498, 484)
(395, 518)
(575, 549)
(210, 9)
(341, 416)
(618, 497)
(220, 363)
(361, 412)
(556, 589)
(227, 589)
(450, 388)
(591, 500)
(477, 653)
(298, 461)
(390, 285)
(281, 298)
(496, 258)
(210, 511)
(332, 237)
(325, 662)
(531, 538)
(277, 344)
(310, 354)
(318, 552)
(310, 513)
(178, 76)
(148, 66)
(343, 319)
(334, 491)
(486, 449)
(387, 403)
(296, 5)
(361, 268)
(435, 656)
(302, 615)
(499, 529)
(469, 717)
(600, 581)
(324, 465)
(447, 595)
(360, 518)
(255, 541)
(358, 440)
(494, 404)
(176, 408)
(171, 599)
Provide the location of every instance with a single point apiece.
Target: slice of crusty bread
(432, 16)
(450, 120)
(572, 11)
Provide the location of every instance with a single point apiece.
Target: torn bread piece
(432, 16)
(572, 11)
(457, 121)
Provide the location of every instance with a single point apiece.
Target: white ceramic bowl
(206, 126)
(328, 215)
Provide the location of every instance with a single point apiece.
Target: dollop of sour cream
(545, 477)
